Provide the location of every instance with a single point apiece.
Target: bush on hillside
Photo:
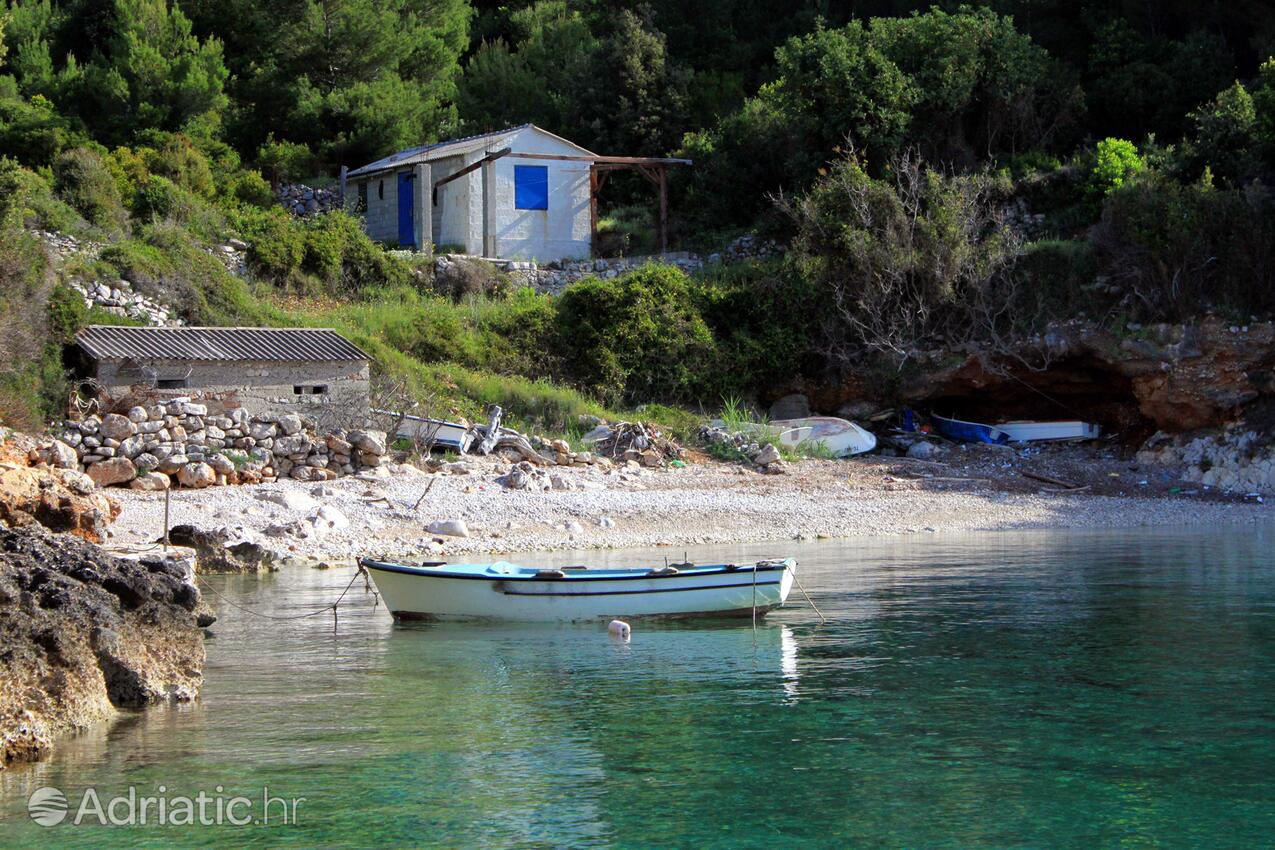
(635, 337)
(460, 278)
(906, 263)
(765, 319)
(83, 180)
(249, 187)
(1181, 250)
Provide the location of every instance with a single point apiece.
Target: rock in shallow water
(85, 634)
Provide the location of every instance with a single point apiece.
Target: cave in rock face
(1079, 388)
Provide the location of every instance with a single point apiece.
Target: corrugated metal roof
(107, 342)
(438, 150)
(451, 147)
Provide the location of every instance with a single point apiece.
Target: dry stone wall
(179, 443)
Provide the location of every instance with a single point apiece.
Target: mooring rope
(329, 607)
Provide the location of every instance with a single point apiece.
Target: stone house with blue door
(521, 193)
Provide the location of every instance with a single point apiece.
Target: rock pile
(557, 276)
(234, 256)
(1235, 460)
(85, 634)
(302, 200)
(743, 446)
(64, 246)
(119, 299)
(747, 247)
(150, 445)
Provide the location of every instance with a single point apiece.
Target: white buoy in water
(619, 629)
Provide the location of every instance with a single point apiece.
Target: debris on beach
(642, 442)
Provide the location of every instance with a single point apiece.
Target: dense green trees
(604, 82)
(961, 87)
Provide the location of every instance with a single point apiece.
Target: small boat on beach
(841, 437)
(1030, 432)
(505, 591)
(968, 432)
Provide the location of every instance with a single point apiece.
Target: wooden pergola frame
(653, 168)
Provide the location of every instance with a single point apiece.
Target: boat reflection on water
(525, 656)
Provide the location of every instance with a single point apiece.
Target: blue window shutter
(531, 187)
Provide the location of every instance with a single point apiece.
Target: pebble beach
(707, 502)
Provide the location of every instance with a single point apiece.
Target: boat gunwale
(709, 570)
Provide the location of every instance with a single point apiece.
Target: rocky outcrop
(1234, 460)
(58, 499)
(1132, 379)
(83, 634)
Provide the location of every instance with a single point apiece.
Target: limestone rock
(922, 450)
(89, 634)
(290, 424)
(293, 500)
(768, 455)
(150, 481)
(449, 528)
(61, 455)
(196, 475)
(116, 470)
(116, 427)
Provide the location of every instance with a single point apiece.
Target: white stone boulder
(150, 481)
(293, 500)
(290, 423)
(196, 475)
(116, 427)
(61, 455)
(448, 528)
(117, 470)
(768, 455)
(922, 450)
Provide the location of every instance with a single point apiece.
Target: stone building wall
(260, 387)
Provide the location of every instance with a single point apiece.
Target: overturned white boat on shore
(505, 591)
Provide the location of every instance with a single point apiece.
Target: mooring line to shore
(329, 607)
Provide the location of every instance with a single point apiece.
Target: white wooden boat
(504, 591)
(841, 437)
(439, 432)
(1026, 432)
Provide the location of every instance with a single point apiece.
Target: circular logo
(47, 806)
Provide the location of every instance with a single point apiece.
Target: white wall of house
(561, 231)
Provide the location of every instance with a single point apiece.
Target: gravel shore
(706, 502)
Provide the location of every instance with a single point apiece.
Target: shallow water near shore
(1045, 689)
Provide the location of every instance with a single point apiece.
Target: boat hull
(1026, 432)
(841, 437)
(416, 593)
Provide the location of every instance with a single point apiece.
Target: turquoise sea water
(1034, 690)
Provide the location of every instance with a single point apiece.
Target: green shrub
(33, 132)
(277, 240)
(1118, 160)
(249, 187)
(285, 161)
(638, 336)
(1182, 250)
(174, 156)
(67, 313)
(765, 316)
(82, 179)
(463, 278)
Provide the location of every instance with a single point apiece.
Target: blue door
(406, 225)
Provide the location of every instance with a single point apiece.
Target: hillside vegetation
(954, 177)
